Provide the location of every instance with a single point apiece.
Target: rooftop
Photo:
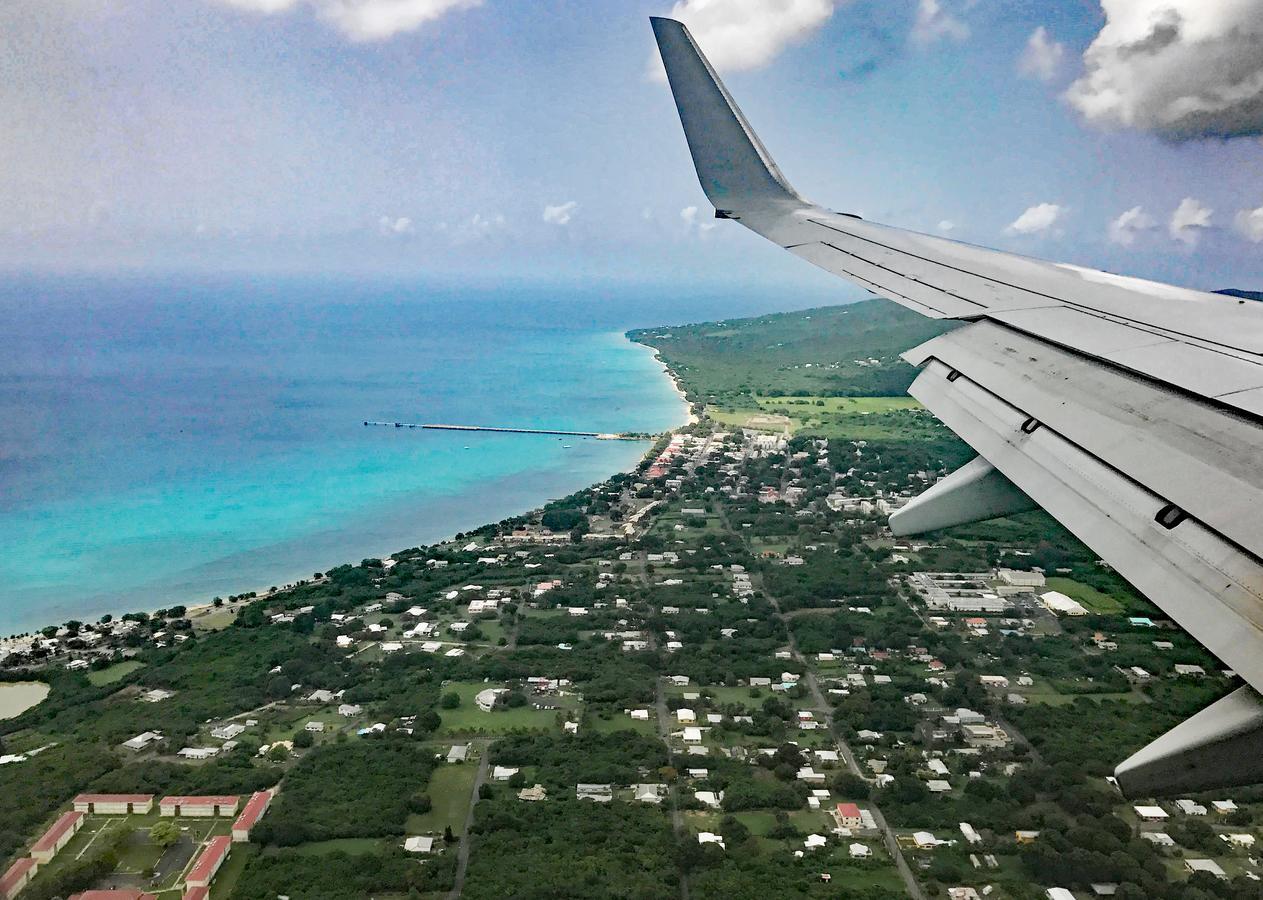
(64, 824)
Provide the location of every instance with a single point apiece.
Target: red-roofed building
(250, 816)
(114, 804)
(57, 837)
(200, 807)
(114, 895)
(208, 863)
(199, 893)
(17, 877)
(849, 816)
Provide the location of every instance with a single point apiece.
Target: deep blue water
(167, 439)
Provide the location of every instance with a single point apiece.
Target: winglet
(732, 164)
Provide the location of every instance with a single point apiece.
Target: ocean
(167, 439)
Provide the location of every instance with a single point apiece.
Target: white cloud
(1179, 68)
(946, 225)
(746, 34)
(364, 20)
(933, 23)
(1124, 229)
(1249, 222)
(689, 215)
(392, 226)
(1036, 219)
(1188, 221)
(1042, 57)
(560, 214)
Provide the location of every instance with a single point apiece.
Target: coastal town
(718, 675)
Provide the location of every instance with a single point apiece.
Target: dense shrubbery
(562, 761)
(341, 876)
(573, 849)
(31, 791)
(356, 789)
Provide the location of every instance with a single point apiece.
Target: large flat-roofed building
(213, 856)
(17, 876)
(255, 808)
(114, 804)
(959, 591)
(57, 837)
(199, 807)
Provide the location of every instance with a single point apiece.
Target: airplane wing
(1130, 410)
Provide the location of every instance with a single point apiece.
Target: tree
(303, 739)
(164, 834)
(450, 700)
(448, 837)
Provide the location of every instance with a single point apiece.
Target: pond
(16, 697)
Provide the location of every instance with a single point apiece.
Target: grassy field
(114, 673)
(449, 790)
(1094, 600)
(468, 718)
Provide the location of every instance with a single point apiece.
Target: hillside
(834, 351)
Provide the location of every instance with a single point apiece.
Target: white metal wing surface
(1130, 410)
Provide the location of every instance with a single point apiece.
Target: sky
(494, 139)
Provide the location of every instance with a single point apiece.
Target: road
(462, 854)
(824, 710)
(677, 817)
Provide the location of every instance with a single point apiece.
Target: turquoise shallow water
(168, 439)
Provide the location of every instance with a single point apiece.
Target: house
(938, 786)
(1209, 866)
(685, 716)
(114, 804)
(692, 735)
(706, 837)
(142, 740)
(17, 876)
(1158, 838)
(458, 753)
(848, 816)
(419, 844)
(486, 699)
(1026, 837)
(198, 752)
(709, 798)
(1151, 813)
(640, 715)
(315, 727)
(815, 841)
(199, 807)
(350, 709)
(970, 833)
(1224, 806)
(1059, 893)
(649, 793)
(229, 731)
(859, 851)
(255, 808)
(203, 871)
(1189, 808)
(1192, 671)
(1245, 841)
(533, 794)
(503, 773)
(599, 793)
(56, 837)
(925, 840)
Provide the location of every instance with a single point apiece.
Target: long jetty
(599, 435)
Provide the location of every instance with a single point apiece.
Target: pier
(598, 435)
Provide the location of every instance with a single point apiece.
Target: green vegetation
(353, 789)
(338, 875)
(114, 673)
(1096, 601)
(449, 791)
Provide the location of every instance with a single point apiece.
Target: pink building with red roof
(849, 816)
(197, 893)
(57, 837)
(250, 816)
(199, 806)
(114, 804)
(203, 871)
(17, 877)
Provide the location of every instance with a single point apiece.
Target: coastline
(197, 606)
